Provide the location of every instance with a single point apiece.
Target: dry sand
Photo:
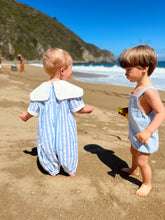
(99, 191)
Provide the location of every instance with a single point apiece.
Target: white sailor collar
(62, 89)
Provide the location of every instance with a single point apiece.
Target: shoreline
(90, 75)
(77, 74)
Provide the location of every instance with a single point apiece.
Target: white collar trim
(62, 89)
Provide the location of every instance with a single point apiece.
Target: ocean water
(113, 74)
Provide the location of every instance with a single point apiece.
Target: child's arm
(33, 110)
(25, 116)
(86, 110)
(153, 99)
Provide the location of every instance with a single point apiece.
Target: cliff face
(29, 32)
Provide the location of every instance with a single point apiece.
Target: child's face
(134, 74)
(68, 72)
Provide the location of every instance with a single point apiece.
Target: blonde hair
(54, 59)
(139, 56)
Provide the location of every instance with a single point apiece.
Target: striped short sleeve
(33, 108)
(76, 104)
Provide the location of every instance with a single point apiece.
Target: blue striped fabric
(57, 133)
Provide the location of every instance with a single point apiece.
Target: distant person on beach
(55, 102)
(146, 112)
(20, 58)
(0, 63)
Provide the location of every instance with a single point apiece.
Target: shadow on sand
(112, 161)
(33, 153)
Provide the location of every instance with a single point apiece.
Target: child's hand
(143, 136)
(86, 110)
(89, 109)
(25, 116)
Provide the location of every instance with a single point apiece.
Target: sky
(113, 25)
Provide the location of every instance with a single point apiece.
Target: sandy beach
(99, 191)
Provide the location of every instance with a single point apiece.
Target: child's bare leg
(134, 170)
(146, 174)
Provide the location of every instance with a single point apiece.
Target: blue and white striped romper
(57, 133)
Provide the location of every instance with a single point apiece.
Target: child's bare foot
(143, 190)
(129, 171)
(72, 175)
(53, 175)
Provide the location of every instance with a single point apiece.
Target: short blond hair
(54, 59)
(139, 56)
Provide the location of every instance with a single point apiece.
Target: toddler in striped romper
(55, 102)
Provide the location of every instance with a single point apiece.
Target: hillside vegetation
(29, 32)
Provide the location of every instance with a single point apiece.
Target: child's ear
(61, 73)
(62, 70)
(145, 69)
